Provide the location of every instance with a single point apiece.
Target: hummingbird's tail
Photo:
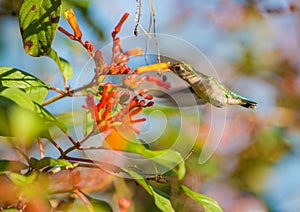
(235, 99)
(248, 103)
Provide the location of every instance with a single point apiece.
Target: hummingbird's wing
(178, 97)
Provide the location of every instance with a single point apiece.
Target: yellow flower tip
(71, 18)
(163, 67)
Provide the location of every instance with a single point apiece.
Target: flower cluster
(106, 114)
(112, 104)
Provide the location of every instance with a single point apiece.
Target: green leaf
(11, 210)
(51, 162)
(168, 157)
(10, 165)
(100, 205)
(160, 201)
(19, 122)
(88, 123)
(17, 109)
(209, 204)
(23, 180)
(66, 68)
(38, 21)
(35, 88)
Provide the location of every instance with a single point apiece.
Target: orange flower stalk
(71, 18)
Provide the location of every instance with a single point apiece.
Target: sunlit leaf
(35, 88)
(160, 201)
(209, 204)
(38, 23)
(66, 69)
(23, 180)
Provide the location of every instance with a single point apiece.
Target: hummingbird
(209, 88)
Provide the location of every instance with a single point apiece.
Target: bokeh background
(255, 48)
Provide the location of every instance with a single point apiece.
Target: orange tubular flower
(70, 16)
(164, 67)
(119, 25)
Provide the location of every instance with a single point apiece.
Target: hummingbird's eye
(177, 68)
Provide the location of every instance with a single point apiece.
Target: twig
(154, 30)
(93, 164)
(75, 143)
(57, 90)
(88, 135)
(56, 146)
(41, 147)
(85, 201)
(53, 99)
(71, 92)
(70, 149)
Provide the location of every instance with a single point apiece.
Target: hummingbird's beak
(163, 67)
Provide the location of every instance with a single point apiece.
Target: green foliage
(50, 162)
(18, 109)
(38, 23)
(160, 201)
(11, 210)
(35, 88)
(100, 205)
(23, 180)
(209, 204)
(167, 158)
(66, 68)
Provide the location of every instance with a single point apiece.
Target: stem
(87, 136)
(70, 149)
(41, 146)
(85, 201)
(93, 164)
(69, 93)
(53, 99)
(75, 143)
(56, 146)
(57, 90)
